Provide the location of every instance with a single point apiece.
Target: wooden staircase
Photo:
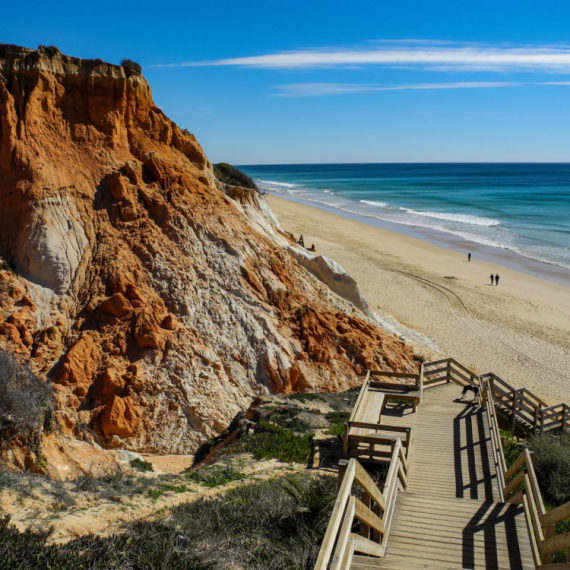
(450, 516)
(449, 501)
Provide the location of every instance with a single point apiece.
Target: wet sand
(520, 329)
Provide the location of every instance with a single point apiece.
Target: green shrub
(156, 493)
(141, 465)
(275, 442)
(227, 174)
(337, 420)
(7, 266)
(132, 65)
(552, 467)
(303, 397)
(511, 448)
(215, 477)
(24, 397)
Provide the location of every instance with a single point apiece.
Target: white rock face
(333, 275)
(53, 244)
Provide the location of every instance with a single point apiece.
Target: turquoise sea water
(524, 208)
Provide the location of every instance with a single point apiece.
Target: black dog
(470, 388)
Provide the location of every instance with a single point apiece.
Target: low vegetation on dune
(274, 524)
(227, 174)
(218, 516)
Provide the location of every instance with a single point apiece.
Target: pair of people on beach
(494, 278)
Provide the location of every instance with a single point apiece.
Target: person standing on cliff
(492, 279)
(497, 279)
(468, 257)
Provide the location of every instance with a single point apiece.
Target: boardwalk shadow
(470, 452)
(490, 519)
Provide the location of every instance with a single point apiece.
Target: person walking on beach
(497, 279)
(468, 257)
(492, 279)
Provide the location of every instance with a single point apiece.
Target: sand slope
(520, 330)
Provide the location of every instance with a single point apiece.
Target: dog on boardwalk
(470, 388)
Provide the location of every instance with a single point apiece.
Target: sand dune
(520, 330)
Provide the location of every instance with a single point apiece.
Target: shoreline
(500, 256)
(519, 330)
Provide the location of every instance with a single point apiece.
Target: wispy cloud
(430, 54)
(320, 89)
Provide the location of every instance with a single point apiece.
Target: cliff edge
(157, 305)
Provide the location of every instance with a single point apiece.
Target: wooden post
(549, 532)
(515, 398)
(536, 412)
(448, 371)
(345, 449)
(564, 416)
(421, 382)
(541, 421)
(367, 500)
(342, 466)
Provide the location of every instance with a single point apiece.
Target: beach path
(450, 517)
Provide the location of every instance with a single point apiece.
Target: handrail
(486, 400)
(522, 487)
(373, 509)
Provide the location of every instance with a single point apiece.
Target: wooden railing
(525, 411)
(374, 509)
(448, 370)
(486, 400)
(522, 486)
(518, 484)
(364, 436)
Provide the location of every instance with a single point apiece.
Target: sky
(277, 82)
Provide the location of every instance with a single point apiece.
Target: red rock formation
(158, 306)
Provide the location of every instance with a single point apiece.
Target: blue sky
(268, 82)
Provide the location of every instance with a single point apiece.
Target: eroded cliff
(157, 305)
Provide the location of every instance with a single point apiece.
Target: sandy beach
(519, 330)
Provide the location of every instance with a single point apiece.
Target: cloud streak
(428, 55)
(323, 89)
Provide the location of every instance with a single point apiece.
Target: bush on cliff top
(227, 174)
(133, 65)
(24, 400)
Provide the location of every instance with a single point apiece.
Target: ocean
(524, 208)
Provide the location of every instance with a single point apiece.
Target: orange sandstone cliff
(157, 305)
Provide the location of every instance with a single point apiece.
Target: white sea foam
(286, 185)
(461, 218)
(372, 203)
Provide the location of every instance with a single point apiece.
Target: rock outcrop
(157, 305)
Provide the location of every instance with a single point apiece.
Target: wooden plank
(343, 536)
(373, 438)
(365, 515)
(393, 386)
(556, 515)
(532, 512)
(559, 542)
(445, 369)
(515, 466)
(436, 362)
(387, 374)
(366, 482)
(336, 517)
(363, 390)
(368, 546)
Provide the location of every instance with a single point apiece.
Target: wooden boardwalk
(449, 517)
